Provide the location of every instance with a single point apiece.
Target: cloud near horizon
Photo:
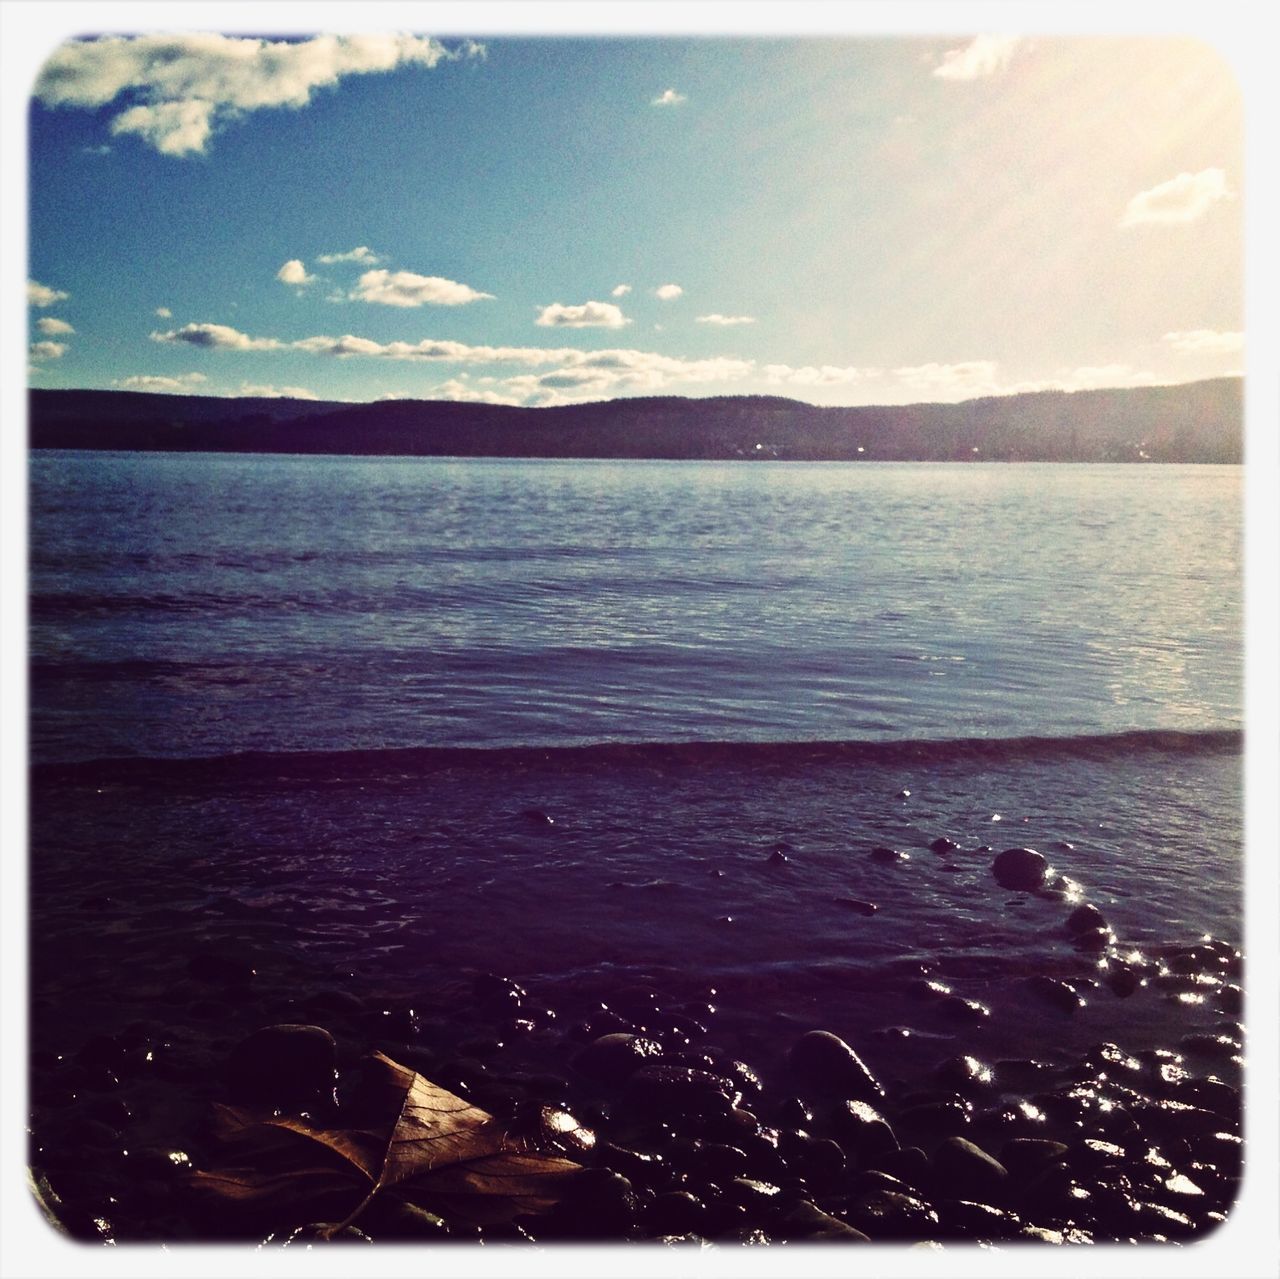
(218, 337)
(724, 321)
(1205, 341)
(47, 350)
(42, 295)
(985, 55)
(185, 84)
(668, 292)
(406, 289)
(590, 315)
(158, 384)
(1180, 200)
(52, 327)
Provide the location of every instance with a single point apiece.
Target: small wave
(366, 764)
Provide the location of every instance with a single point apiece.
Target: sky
(549, 219)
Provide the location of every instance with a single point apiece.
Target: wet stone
(659, 1089)
(964, 1074)
(1055, 993)
(963, 1166)
(826, 1062)
(1025, 1155)
(885, 1214)
(863, 1130)
(807, 1222)
(1021, 868)
(1084, 918)
(613, 1058)
(944, 846)
(857, 905)
(889, 856)
(288, 1066)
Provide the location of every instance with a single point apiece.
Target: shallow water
(371, 612)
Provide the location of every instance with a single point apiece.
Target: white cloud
(361, 253)
(164, 313)
(962, 381)
(668, 98)
(293, 272)
(275, 392)
(47, 350)
(404, 288)
(217, 337)
(51, 327)
(590, 315)
(464, 392)
(725, 320)
(173, 128)
(1181, 199)
(1205, 342)
(621, 291)
(43, 295)
(183, 84)
(668, 292)
(159, 384)
(982, 56)
(819, 375)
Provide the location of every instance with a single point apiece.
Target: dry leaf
(416, 1141)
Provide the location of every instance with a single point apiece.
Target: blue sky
(536, 221)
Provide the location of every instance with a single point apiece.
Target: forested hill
(1193, 422)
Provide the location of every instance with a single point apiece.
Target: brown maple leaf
(416, 1141)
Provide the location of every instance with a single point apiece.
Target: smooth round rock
(283, 1065)
(890, 856)
(614, 1058)
(1085, 917)
(828, 1063)
(1021, 868)
(966, 1168)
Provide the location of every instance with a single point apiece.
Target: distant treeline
(1193, 422)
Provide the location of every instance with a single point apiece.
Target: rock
(1093, 940)
(287, 1066)
(536, 817)
(942, 846)
(826, 1062)
(1054, 992)
(1084, 918)
(957, 1008)
(964, 1074)
(1021, 868)
(890, 856)
(806, 1221)
(1024, 1156)
(677, 1212)
(863, 1130)
(909, 1164)
(935, 1119)
(613, 1059)
(658, 1090)
(778, 858)
(967, 1219)
(884, 1214)
(495, 993)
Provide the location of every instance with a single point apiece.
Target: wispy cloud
(590, 315)
(725, 321)
(621, 291)
(43, 295)
(817, 375)
(47, 350)
(668, 98)
(51, 327)
(1205, 342)
(1181, 199)
(217, 337)
(183, 85)
(164, 313)
(159, 384)
(404, 288)
(668, 292)
(984, 55)
(276, 392)
(293, 272)
(960, 381)
(362, 253)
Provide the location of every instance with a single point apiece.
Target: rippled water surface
(200, 604)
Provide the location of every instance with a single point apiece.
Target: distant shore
(1196, 422)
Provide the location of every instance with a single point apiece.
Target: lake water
(199, 605)
(307, 706)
